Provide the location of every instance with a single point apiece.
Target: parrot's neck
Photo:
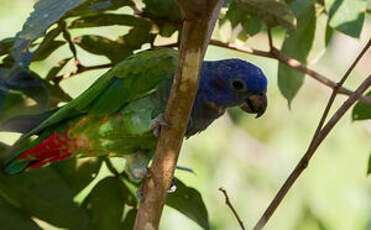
(211, 100)
(203, 114)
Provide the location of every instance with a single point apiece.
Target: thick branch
(291, 62)
(198, 25)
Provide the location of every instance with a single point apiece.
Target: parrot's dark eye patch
(238, 85)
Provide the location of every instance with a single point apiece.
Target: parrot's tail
(54, 148)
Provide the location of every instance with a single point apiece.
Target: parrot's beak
(256, 103)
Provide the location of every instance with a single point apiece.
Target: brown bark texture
(199, 20)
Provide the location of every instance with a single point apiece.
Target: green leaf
(165, 14)
(99, 45)
(45, 51)
(241, 14)
(7, 62)
(123, 47)
(137, 36)
(31, 86)
(369, 165)
(5, 45)
(16, 104)
(12, 218)
(46, 13)
(165, 9)
(94, 7)
(105, 204)
(3, 148)
(188, 201)
(328, 35)
(56, 69)
(297, 45)
(346, 16)
(362, 111)
(129, 220)
(78, 173)
(107, 20)
(48, 45)
(4, 91)
(42, 193)
(274, 12)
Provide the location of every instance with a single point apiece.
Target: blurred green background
(252, 158)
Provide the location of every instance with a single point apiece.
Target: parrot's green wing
(131, 79)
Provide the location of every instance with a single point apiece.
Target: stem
(336, 89)
(81, 70)
(270, 39)
(111, 167)
(229, 204)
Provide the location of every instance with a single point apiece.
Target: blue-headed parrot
(119, 114)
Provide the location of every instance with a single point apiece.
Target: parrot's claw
(172, 186)
(157, 122)
(140, 193)
(170, 190)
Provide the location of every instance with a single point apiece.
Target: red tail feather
(54, 148)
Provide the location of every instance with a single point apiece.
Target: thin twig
(111, 167)
(170, 45)
(335, 91)
(67, 37)
(318, 137)
(270, 39)
(81, 70)
(114, 171)
(229, 204)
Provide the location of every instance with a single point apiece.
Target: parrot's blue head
(234, 82)
(227, 83)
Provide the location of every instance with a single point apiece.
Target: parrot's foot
(172, 186)
(140, 192)
(170, 190)
(157, 122)
(136, 166)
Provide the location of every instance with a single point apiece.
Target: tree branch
(199, 20)
(335, 91)
(232, 208)
(319, 135)
(291, 62)
(81, 69)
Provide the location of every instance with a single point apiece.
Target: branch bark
(199, 20)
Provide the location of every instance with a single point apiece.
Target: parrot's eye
(238, 85)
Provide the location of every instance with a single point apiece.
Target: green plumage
(131, 79)
(114, 116)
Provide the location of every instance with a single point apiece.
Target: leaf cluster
(49, 194)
